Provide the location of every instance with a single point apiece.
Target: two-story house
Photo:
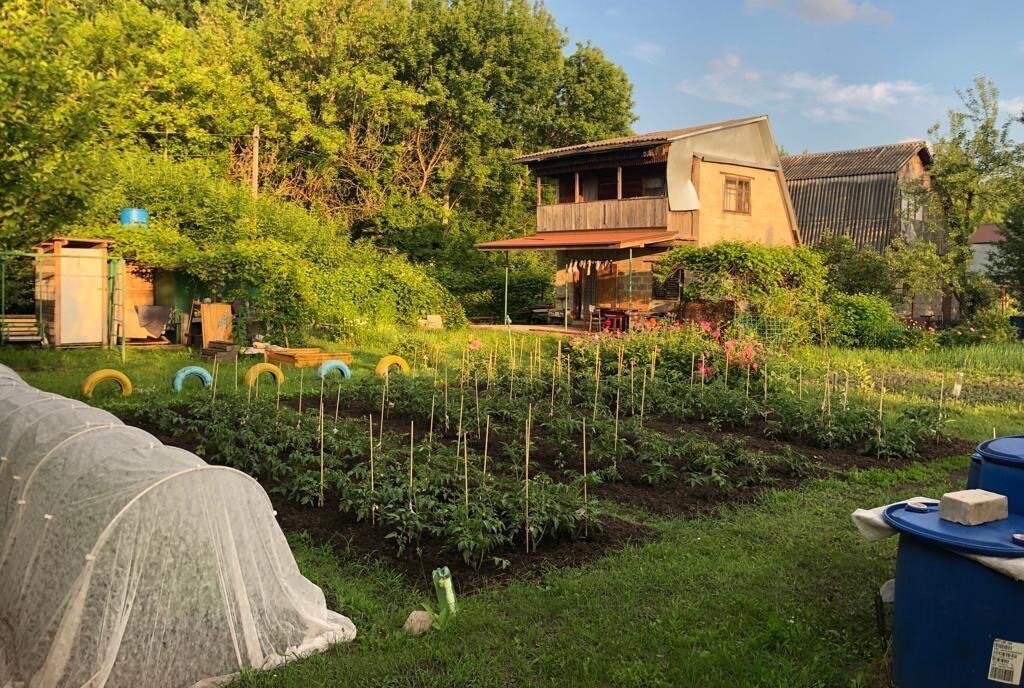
(609, 208)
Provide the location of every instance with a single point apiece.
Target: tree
(852, 270)
(975, 175)
(919, 267)
(1007, 263)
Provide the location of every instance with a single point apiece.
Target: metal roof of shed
(653, 138)
(848, 163)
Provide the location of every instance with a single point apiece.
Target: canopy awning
(590, 239)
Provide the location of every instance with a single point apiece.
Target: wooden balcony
(627, 213)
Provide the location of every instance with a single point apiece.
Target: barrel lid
(1008, 450)
(993, 539)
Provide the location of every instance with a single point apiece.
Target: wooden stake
(693, 367)
(236, 371)
(302, 372)
(597, 378)
(584, 464)
(476, 392)
(383, 400)
(337, 403)
(800, 383)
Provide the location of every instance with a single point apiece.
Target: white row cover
(127, 563)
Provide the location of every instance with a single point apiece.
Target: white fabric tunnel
(125, 562)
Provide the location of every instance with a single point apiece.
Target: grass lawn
(778, 593)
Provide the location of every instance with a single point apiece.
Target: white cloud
(1013, 107)
(646, 51)
(728, 81)
(818, 97)
(827, 11)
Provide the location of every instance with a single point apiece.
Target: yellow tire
(385, 364)
(106, 374)
(259, 369)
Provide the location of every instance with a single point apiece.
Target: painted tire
(103, 375)
(191, 371)
(259, 369)
(385, 364)
(328, 367)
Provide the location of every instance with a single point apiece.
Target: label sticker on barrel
(1006, 663)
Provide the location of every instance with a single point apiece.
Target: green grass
(775, 595)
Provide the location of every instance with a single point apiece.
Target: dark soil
(352, 538)
(675, 497)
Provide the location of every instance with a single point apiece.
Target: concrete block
(418, 623)
(972, 507)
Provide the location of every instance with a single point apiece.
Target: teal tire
(191, 371)
(328, 367)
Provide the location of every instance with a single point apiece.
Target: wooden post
(412, 436)
(539, 192)
(576, 192)
(373, 507)
(254, 174)
(618, 181)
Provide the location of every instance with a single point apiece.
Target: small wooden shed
(75, 286)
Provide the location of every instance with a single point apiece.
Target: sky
(830, 74)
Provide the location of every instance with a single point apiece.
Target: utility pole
(254, 174)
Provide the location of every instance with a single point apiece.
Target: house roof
(653, 138)
(987, 234)
(848, 163)
(590, 238)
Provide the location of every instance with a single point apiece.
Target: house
(859, 193)
(609, 208)
(983, 245)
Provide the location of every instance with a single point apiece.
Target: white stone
(973, 507)
(418, 623)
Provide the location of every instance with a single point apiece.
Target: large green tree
(976, 174)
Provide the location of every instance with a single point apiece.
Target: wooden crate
(304, 358)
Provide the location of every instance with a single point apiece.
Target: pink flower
(705, 326)
(475, 343)
(931, 329)
(972, 329)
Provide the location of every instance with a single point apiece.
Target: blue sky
(831, 74)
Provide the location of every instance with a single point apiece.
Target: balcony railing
(618, 214)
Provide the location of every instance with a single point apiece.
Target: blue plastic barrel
(134, 216)
(974, 472)
(951, 613)
(1002, 469)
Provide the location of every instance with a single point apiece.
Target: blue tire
(191, 371)
(328, 367)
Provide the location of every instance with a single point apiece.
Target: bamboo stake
(551, 412)
(487, 438)
(337, 403)
(748, 382)
(446, 398)
(643, 397)
(373, 506)
(800, 383)
(764, 373)
(465, 470)
(236, 372)
(433, 403)
(584, 470)
(412, 436)
(458, 431)
(615, 431)
(632, 395)
(213, 385)
(302, 372)
(942, 395)
(526, 483)
(476, 392)
(702, 371)
(383, 401)
(846, 392)
(881, 397)
(693, 367)
(597, 378)
(321, 449)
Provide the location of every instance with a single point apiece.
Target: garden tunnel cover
(124, 562)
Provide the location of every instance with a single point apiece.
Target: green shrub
(987, 325)
(862, 320)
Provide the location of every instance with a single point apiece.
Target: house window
(737, 195)
(643, 181)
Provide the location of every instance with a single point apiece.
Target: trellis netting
(124, 562)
